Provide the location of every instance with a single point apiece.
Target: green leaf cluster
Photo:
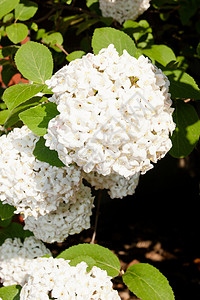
(22, 11)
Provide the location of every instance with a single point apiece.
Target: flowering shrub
(97, 115)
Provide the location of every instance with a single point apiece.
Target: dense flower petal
(115, 113)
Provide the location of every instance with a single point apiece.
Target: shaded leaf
(7, 73)
(6, 211)
(182, 85)
(44, 154)
(187, 131)
(38, 117)
(3, 116)
(12, 231)
(5, 223)
(198, 49)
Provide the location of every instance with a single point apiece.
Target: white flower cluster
(115, 113)
(16, 258)
(118, 186)
(122, 10)
(55, 279)
(33, 187)
(68, 219)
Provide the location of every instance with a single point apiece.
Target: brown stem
(61, 48)
(97, 217)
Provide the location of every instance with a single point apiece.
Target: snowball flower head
(16, 258)
(33, 187)
(115, 113)
(118, 186)
(55, 279)
(122, 10)
(68, 219)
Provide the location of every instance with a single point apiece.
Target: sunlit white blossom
(115, 113)
(122, 10)
(68, 219)
(16, 258)
(33, 187)
(55, 279)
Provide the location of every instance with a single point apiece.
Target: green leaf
(38, 117)
(182, 85)
(8, 18)
(89, 261)
(187, 131)
(12, 231)
(25, 10)
(3, 116)
(17, 32)
(5, 223)
(35, 62)
(6, 6)
(103, 37)
(86, 24)
(75, 54)
(8, 51)
(103, 258)
(6, 211)
(7, 73)
(141, 31)
(53, 38)
(160, 53)
(146, 282)
(13, 116)
(44, 154)
(19, 93)
(11, 292)
(187, 10)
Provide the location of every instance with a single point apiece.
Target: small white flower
(118, 186)
(122, 10)
(117, 118)
(55, 278)
(33, 187)
(16, 258)
(67, 219)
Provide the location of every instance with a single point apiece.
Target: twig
(96, 217)
(61, 48)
